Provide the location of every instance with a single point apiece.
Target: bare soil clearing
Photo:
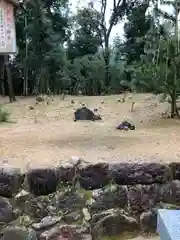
(145, 238)
(47, 135)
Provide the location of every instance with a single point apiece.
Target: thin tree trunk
(36, 87)
(25, 90)
(2, 85)
(106, 59)
(173, 104)
(2, 75)
(174, 92)
(9, 79)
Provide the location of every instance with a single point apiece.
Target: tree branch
(166, 15)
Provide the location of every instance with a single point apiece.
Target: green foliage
(72, 52)
(86, 40)
(61, 51)
(4, 115)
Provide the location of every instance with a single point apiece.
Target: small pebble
(31, 107)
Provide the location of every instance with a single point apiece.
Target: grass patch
(4, 115)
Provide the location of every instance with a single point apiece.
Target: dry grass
(48, 135)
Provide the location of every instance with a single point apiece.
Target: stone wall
(85, 201)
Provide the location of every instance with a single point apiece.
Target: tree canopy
(59, 50)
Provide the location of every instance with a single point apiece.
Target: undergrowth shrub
(4, 115)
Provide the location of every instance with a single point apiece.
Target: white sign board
(7, 28)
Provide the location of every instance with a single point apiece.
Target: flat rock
(143, 197)
(139, 173)
(170, 192)
(175, 169)
(66, 232)
(66, 173)
(6, 211)
(94, 176)
(112, 196)
(42, 181)
(46, 223)
(148, 221)
(69, 202)
(17, 233)
(11, 180)
(113, 222)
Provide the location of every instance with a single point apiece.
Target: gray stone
(66, 232)
(148, 221)
(175, 169)
(17, 233)
(11, 180)
(113, 222)
(170, 192)
(6, 211)
(42, 181)
(66, 173)
(94, 176)
(91, 176)
(139, 173)
(73, 217)
(68, 202)
(40, 207)
(85, 114)
(112, 196)
(143, 197)
(46, 222)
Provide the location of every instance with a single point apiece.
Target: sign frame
(7, 27)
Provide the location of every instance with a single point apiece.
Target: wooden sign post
(7, 42)
(7, 27)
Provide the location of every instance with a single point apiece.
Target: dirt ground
(145, 238)
(47, 135)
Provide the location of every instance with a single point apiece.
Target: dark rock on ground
(42, 181)
(148, 221)
(31, 107)
(66, 232)
(40, 98)
(11, 180)
(143, 197)
(113, 222)
(6, 211)
(112, 196)
(139, 173)
(94, 176)
(85, 114)
(17, 233)
(125, 125)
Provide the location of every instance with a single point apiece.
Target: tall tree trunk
(174, 93)
(9, 79)
(173, 104)
(106, 59)
(2, 75)
(25, 87)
